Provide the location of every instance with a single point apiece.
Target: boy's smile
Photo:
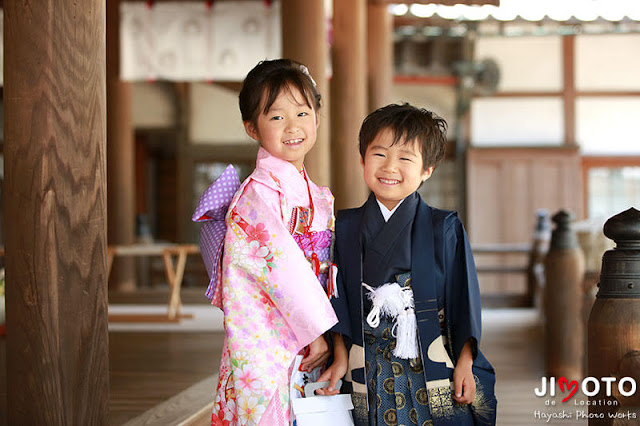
(392, 172)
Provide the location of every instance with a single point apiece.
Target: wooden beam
(348, 94)
(305, 39)
(433, 80)
(55, 201)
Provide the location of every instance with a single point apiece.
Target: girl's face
(288, 130)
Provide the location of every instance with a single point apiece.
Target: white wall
(517, 121)
(152, 106)
(528, 64)
(605, 63)
(215, 116)
(437, 98)
(608, 62)
(608, 126)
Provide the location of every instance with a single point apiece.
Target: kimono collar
(284, 170)
(386, 213)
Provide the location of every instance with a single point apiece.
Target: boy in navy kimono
(408, 299)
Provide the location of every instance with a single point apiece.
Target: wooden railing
(532, 266)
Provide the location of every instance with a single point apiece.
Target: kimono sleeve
(341, 303)
(462, 292)
(264, 253)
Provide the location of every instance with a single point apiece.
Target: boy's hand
(464, 384)
(463, 380)
(318, 353)
(337, 370)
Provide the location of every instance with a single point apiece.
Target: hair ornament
(305, 71)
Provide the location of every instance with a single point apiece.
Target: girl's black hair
(267, 79)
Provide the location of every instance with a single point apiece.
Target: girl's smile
(288, 129)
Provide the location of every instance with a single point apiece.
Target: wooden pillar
(305, 39)
(349, 101)
(569, 92)
(563, 326)
(379, 54)
(614, 325)
(184, 163)
(535, 267)
(120, 156)
(55, 203)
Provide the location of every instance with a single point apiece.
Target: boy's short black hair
(407, 123)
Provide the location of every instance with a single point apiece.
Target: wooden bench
(174, 272)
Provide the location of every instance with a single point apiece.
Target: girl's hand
(318, 353)
(337, 370)
(463, 380)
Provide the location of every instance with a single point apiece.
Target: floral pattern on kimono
(272, 301)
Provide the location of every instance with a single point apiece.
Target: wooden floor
(149, 368)
(512, 340)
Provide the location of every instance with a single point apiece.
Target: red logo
(571, 387)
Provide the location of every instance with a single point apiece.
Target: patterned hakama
(396, 387)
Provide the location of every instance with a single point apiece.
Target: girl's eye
(276, 117)
(405, 159)
(379, 155)
(303, 114)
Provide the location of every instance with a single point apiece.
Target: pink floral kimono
(273, 302)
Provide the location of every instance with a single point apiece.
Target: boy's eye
(405, 159)
(303, 114)
(378, 155)
(276, 117)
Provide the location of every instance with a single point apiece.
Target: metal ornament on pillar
(614, 323)
(564, 276)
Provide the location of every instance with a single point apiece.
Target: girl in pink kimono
(276, 253)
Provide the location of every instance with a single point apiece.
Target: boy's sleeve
(262, 251)
(341, 303)
(462, 299)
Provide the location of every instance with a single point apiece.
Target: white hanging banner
(182, 35)
(194, 41)
(244, 33)
(136, 42)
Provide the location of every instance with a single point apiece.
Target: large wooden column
(55, 206)
(379, 54)
(348, 100)
(120, 156)
(305, 39)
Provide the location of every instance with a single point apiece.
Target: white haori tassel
(406, 335)
(386, 300)
(396, 302)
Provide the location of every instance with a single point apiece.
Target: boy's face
(393, 172)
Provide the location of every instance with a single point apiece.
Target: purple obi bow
(212, 209)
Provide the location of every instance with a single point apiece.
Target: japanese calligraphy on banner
(197, 41)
